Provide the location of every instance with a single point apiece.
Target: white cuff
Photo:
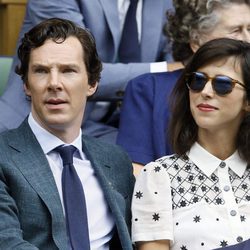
(158, 67)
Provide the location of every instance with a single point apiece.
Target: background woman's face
(234, 22)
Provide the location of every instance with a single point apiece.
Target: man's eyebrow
(73, 65)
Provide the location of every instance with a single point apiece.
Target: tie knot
(66, 153)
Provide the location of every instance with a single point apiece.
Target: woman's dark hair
(59, 30)
(183, 130)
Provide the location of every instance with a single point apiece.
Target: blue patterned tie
(129, 49)
(74, 201)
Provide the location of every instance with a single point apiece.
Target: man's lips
(54, 101)
(206, 107)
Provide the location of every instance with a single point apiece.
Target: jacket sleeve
(11, 235)
(135, 129)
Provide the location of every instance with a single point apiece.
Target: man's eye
(40, 71)
(69, 70)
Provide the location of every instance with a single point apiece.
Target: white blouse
(196, 201)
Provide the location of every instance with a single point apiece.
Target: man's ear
(26, 89)
(92, 89)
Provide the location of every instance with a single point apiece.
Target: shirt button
(226, 188)
(239, 239)
(222, 164)
(233, 212)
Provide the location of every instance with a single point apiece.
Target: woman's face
(234, 22)
(213, 112)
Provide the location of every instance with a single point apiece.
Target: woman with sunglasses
(145, 112)
(198, 198)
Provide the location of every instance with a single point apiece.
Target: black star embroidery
(197, 219)
(216, 189)
(201, 177)
(244, 186)
(190, 177)
(195, 199)
(156, 217)
(193, 188)
(172, 157)
(218, 201)
(179, 179)
(204, 188)
(248, 197)
(242, 218)
(181, 190)
(187, 167)
(183, 247)
(138, 195)
(164, 165)
(214, 177)
(223, 243)
(176, 167)
(183, 203)
(157, 169)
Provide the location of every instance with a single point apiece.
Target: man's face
(234, 22)
(58, 85)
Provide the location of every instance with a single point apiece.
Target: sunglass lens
(222, 85)
(197, 81)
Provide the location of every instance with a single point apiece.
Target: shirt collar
(208, 163)
(49, 141)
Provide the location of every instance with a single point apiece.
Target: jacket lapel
(110, 9)
(104, 169)
(152, 16)
(32, 163)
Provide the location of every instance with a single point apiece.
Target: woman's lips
(206, 107)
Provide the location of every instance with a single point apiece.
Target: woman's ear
(247, 106)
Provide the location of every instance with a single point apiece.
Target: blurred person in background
(123, 57)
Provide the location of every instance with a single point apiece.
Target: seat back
(5, 66)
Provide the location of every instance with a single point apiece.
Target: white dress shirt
(123, 6)
(100, 219)
(197, 201)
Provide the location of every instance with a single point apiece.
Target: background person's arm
(154, 245)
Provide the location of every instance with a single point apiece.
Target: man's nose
(54, 81)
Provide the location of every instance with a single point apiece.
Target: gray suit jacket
(30, 208)
(101, 17)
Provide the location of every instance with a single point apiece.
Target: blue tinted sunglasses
(222, 85)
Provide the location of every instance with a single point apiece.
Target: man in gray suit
(60, 69)
(104, 18)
